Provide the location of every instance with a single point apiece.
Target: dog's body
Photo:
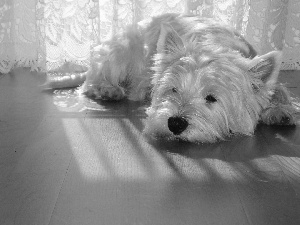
(204, 79)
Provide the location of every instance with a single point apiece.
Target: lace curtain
(43, 34)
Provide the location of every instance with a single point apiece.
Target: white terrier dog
(204, 80)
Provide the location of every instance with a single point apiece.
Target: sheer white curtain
(43, 34)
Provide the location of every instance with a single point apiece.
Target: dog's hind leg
(101, 85)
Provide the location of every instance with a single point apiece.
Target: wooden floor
(69, 160)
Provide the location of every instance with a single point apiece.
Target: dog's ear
(266, 68)
(169, 42)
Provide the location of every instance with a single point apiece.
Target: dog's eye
(210, 99)
(174, 90)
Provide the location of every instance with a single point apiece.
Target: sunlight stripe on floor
(84, 151)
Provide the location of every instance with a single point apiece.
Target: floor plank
(66, 159)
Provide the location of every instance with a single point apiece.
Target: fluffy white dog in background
(204, 80)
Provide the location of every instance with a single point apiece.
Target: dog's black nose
(177, 124)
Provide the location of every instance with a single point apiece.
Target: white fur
(204, 79)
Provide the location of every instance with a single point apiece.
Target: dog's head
(204, 90)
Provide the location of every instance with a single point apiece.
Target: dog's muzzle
(177, 124)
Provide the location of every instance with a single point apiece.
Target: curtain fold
(43, 34)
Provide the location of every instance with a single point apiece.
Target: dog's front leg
(281, 110)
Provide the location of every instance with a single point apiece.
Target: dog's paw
(280, 115)
(112, 93)
(108, 93)
(283, 120)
